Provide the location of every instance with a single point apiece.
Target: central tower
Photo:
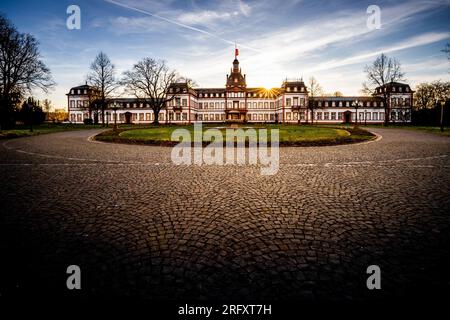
(236, 93)
(235, 80)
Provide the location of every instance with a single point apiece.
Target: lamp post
(356, 104)
(442, 115)
(114, 108)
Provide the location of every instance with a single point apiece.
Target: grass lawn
(24, 131)
(300, 135)
(430, 129)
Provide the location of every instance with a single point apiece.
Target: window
(340, 116)
(375, 115)
(361, 116)
(260, 105)
(368, 115)
(184, 103)
(393, 118)
(333, 115)
(200, 105)
(266, 105)
(326, 116)
(288, 102)
(319, 115)
(147, 117)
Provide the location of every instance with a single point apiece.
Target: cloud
(416, 41)
(204, 17)
(134, 25)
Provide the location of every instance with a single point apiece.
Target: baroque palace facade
(236, 102)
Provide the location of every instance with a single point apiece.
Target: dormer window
(295, 88)
(288, 89)
(407, 89)
(400, 89)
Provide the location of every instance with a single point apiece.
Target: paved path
(138, 225)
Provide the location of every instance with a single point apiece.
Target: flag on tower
(236, 51)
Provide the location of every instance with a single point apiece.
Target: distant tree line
(427, 103)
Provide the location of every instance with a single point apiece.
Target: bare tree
(46, 105)
(102, 78)
(381, 72)
(21, 68)
(447, 50)
(149, 82)
(314, 90)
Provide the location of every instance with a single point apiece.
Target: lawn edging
(356, 135)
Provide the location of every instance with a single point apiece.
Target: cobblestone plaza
(137, 225)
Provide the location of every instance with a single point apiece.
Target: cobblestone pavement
(139, 226)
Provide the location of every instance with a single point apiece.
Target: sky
(329, 40)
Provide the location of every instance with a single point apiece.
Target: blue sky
(277, 39)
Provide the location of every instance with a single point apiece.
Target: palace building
(235, 102)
